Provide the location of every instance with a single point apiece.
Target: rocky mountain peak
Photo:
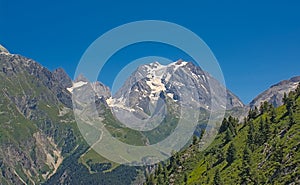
(14, 65)
(275, 93)
(63, 78)
(100, 90)
(3, 49)
(82, 78)
(150, 82)
(179, 62)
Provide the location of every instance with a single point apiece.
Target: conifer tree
(224, 126)
(228, 137)
(266, 130)
(231, 154)
(246, 166)
(284, 99)
(165, 173)
(159, 169)
(289, 104)
(185, 178)
(253, 113)
(259, 136)
(291, 120)
(160, 180)
(264, 107)
(217, 178)
(273, 115)
(195, 140)
(202, 133)
(250, 136)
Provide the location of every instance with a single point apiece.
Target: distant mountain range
(39, 138)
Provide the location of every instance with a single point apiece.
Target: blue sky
(256, 43)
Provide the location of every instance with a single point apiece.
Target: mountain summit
(276, 92)
(153, 81)
(3, 49)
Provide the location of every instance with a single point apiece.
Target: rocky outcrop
(276, 92)
(33, 140)
(62, 77)
(13, 66)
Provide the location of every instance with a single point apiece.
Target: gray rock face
(275, 93)
(61, 76)
(33, 104)
(101, 90)
(84, 91)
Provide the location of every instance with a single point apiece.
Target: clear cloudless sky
(257, 43)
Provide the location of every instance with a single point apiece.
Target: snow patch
(204, 78)
(170, 95)
(168, 77)
(156, 87)
(155, 73)
(7, 54)
(76, 85)
(177, 65)
(118, 103)
(204, 88)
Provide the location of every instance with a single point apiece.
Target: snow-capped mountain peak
(175, 81)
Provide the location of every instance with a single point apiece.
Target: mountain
(34, 108)
(62, 77)
(40, 142)
(265, 149)
(275, 93)
(150, 80)
(39, 138)
(178, 81)
(99, 88)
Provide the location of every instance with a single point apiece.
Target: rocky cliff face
(13, 66)
(276, 92)
(34, 109)
(63, 79)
